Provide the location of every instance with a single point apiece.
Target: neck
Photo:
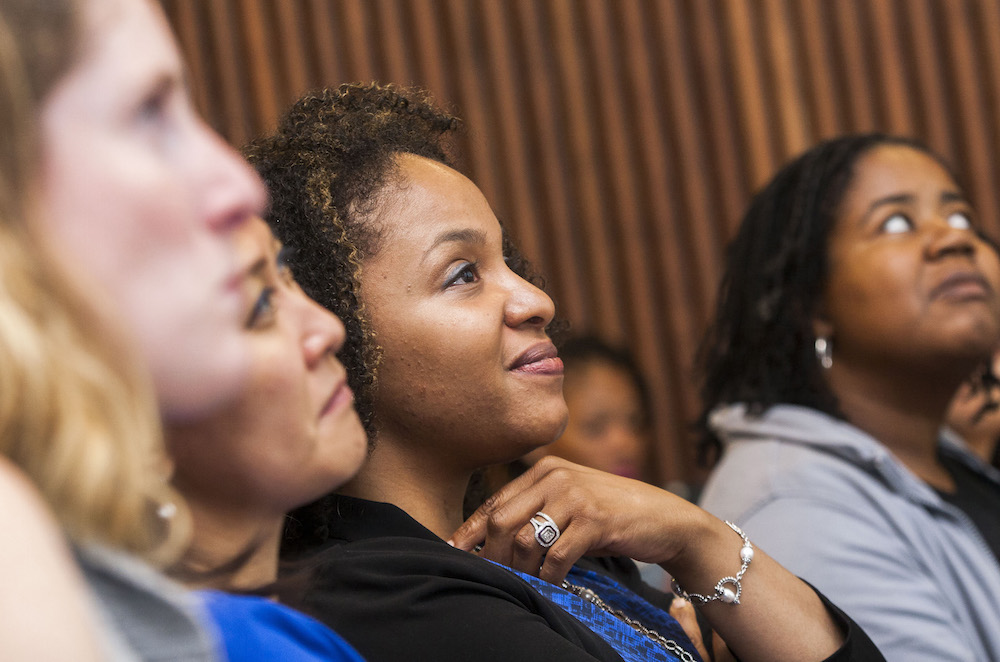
(415, 480)
(231, 551)
(904, 412)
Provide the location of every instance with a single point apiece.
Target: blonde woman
(53, 389)
(140, 202)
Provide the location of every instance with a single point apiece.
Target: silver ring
(546, 533)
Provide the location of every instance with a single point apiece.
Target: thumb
(683, 611)
(471, 533)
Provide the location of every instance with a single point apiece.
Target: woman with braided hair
(448, 354)
(859, 294)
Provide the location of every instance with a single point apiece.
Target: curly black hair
(760, 348)
(326, 166)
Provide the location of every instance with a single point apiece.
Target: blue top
(630, 644)
(253, 628)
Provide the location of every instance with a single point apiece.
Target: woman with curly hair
(448, 353)
(858, 296)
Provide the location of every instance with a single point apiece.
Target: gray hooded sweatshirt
(835, 507)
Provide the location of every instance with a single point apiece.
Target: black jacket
(396, 591)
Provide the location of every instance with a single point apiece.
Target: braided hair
(760, 347)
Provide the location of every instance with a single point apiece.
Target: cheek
(440, 351)
(867, 287)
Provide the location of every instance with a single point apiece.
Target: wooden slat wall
(620, 139)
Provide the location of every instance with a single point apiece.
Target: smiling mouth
(541, 359)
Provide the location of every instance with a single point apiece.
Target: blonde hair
(78, 418)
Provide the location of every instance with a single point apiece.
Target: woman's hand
(597, 514)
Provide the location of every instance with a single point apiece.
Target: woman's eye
(897, 224)
(153, 108)
(263, 309)
(960, 221)
(467, 273)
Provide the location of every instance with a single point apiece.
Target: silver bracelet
(722, 590)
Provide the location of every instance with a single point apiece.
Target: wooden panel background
(620, 139)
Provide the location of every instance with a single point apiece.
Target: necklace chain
(669, 644)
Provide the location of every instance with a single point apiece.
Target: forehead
(427, 199)
(892, 169)
(124, 42)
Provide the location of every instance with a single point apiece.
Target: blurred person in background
(608, 427)
(974, 414)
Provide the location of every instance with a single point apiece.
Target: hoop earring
(824, 352)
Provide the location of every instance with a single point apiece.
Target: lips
(962, 285)
(341, 394)
(538, 359)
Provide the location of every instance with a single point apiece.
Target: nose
(231, 191)
(322, 332)
(946, 240)
(527, 305)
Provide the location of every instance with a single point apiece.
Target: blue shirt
(254, 628)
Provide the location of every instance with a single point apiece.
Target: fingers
(507, 510)
(509, 535)
(560, 558)
(596, 512)
(684, 612)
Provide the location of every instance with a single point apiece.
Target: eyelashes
(263, 309)
(463, 274)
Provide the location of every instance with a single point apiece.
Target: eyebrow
(901, 198)
(909, 198)
(258, 268)
(467, 236)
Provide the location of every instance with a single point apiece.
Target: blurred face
(293, 435)
(910, 283)
(975, 416)
(144, 199)
(606, 428)
(468, 371)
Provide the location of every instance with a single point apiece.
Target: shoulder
(255, 628)
(43, 589)
(439, 603)
(153, 613)
(377, 565)
(752, 474)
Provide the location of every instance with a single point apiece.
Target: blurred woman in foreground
(135, 202)
(291, 436)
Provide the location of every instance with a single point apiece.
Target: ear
(822, 326)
